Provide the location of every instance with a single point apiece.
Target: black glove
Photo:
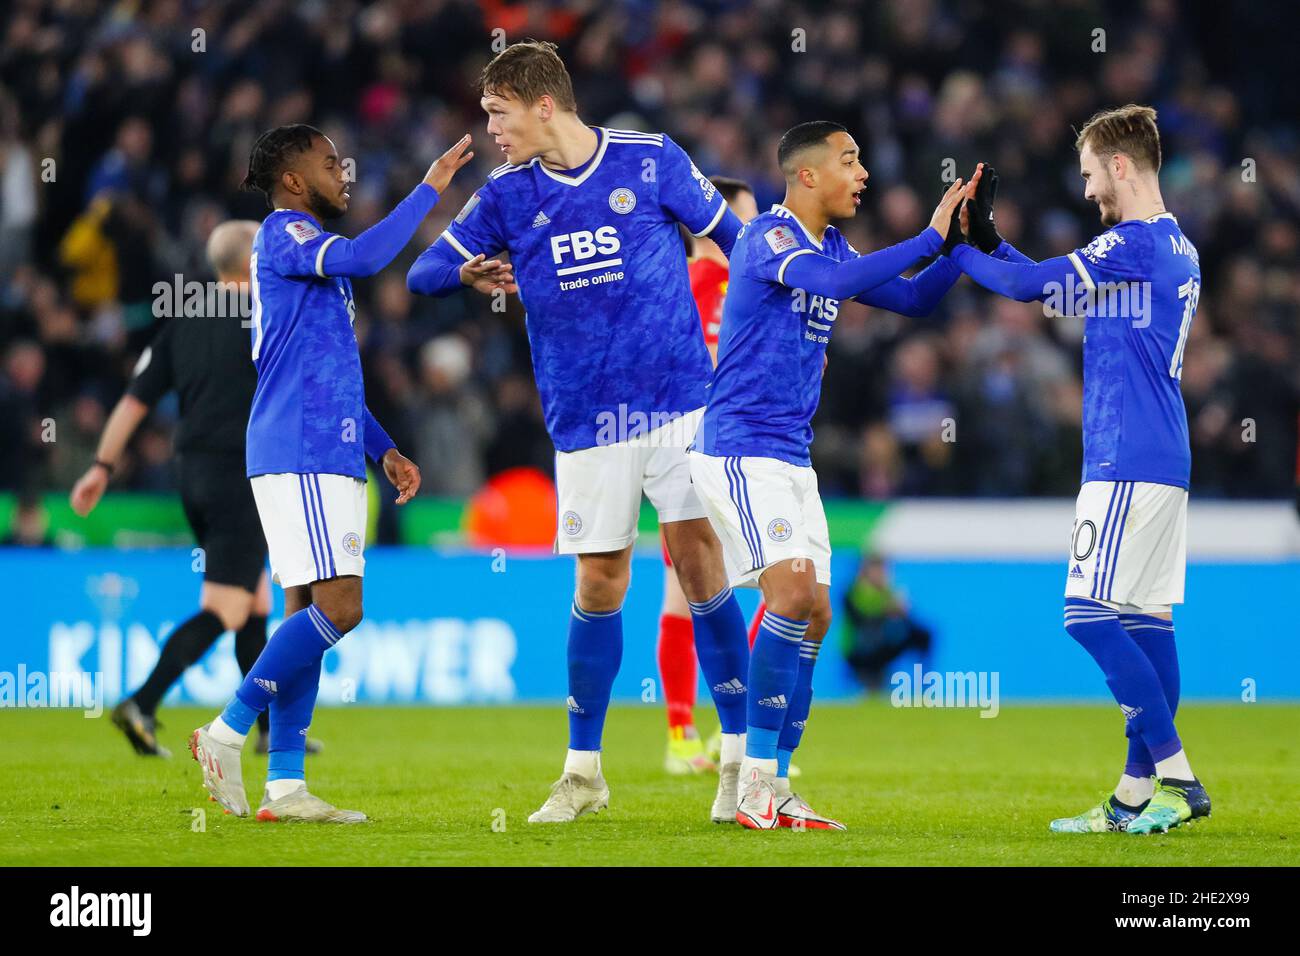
(954, 237)
(983, 231)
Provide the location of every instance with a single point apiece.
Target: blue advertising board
(453, 627)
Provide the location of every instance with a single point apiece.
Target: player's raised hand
(943, 213)
(488, 275)
(403, 473)
(88, 490)
(983, 231)
(959, 228)
(445, 166)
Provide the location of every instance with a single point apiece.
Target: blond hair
(1130, 130)
(529, 70)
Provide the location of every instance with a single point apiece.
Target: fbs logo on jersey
(571, 523)
(781, 239)
(352, 543)
(622, 200)
(301, 230)
(779, 529)
(1076, 572)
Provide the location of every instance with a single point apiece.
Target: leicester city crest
(779, 529)
(622, 200)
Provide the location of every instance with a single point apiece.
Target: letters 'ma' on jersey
(308, 413)
(1144, 277)
(602, 274)
(773, 343)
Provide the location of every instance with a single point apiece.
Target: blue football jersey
(1145, 277)
(773, 344)
(601, 269)
(308, 413)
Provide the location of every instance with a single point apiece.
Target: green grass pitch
(916, 787)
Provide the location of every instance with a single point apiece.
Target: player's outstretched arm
(822, 275)
(440, 271)
(379, 245)
(918, 295)
(1024, 281)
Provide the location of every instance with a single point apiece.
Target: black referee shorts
(219, 506)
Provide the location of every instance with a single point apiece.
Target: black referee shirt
(209, 363)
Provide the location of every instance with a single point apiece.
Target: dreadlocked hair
(272, 152)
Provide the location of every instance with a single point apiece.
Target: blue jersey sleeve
(375, 248)
(771, 246)
(294, 245)
(845, 280)
(687, 196)
(1122, 254)
(917, 296)
(376, 440)
(476, 230)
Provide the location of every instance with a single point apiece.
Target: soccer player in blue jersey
(589, 216)
(790, 270)
(1137, 284)
(309, 433)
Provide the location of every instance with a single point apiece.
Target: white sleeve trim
(780, 273)
(717, 218)
(1083, 273)
(320, 256)
(452, 241)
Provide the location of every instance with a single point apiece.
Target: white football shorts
(315, 525)
(764, 510)
(1129, 545)
(598, 489)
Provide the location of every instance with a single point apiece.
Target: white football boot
(794, 812)
(758, 798)
(221, 773)
(300, 806)
(572, 796)
(724, 804)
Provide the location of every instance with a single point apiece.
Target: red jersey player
(676, 649)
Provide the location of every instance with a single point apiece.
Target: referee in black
(208, 361)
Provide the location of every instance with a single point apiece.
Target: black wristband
(105, 465)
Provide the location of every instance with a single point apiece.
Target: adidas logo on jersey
(733, 686)
(1076, 572)
(1129, 712)
(541, 219)
(574, 706)
(266, 685)
(777, 703)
